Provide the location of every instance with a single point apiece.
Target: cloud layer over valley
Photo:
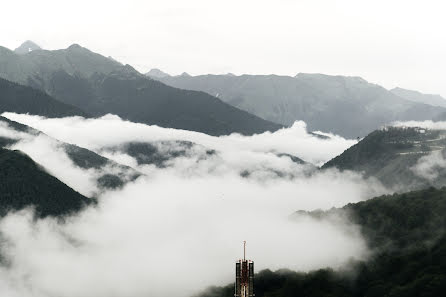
(178, 227)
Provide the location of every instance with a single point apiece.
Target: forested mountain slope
(23, 183)
(21, 99)
(110, 175)
(406, 235)
(401, 158)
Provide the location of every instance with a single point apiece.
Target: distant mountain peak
(127, 72)
(26, 47)
(415, 96)
(75, 46)
(155, 72)
(401, 89)
(185, 74)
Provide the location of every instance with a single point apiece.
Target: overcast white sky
(393, 43)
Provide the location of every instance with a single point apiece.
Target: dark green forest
(23, 183)
(406, 235)
(21, 99)
(389, 154)
(380, 146)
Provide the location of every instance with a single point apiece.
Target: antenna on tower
(244, 250)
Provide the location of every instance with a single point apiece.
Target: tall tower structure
(244, 276)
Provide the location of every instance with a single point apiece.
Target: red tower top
(244, 276)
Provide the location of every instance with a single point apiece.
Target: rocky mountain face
(36, 67)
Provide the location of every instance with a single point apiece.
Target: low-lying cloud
(179, 228)
(430, 166)
(110, 130)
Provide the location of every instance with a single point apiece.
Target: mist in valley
(178, 228)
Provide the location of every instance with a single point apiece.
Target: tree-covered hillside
(112, 175)
(22, 99)
(406, 234)
(23, 183)
(390, 155)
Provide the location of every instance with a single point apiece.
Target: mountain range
(91, 84)
(347, 106)
(99, 85)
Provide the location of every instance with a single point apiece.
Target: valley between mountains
(115, 182)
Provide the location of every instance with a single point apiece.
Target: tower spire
(244, 276)
(244, 250)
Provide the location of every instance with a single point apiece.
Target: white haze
(110, 130)
(179, 229)
(430, 166)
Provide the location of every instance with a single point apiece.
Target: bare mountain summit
(26, 47)
(156, 73)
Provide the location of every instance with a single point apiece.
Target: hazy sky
(393, 42)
